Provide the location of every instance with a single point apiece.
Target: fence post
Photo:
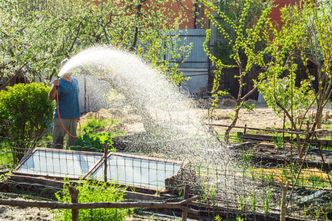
(105, 161)
(283, 203)
(74, 199)
(186, 196)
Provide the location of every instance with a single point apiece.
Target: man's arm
(54, 90)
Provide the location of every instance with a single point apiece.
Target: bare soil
(260, 117)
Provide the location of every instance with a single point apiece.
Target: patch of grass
(246, 158)
(278, 141)
(327, 126)
(310, 177)
(235, 137)
(329, 148)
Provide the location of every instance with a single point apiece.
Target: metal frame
(55, 150)
(96, 166)
(142, 186)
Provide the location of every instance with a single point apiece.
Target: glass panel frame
(137, 171)
(58, 163)
(126, 169)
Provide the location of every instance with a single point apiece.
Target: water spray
(173, 126)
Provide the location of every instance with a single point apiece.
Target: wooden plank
(261, 129)
(39, 180)
(270, 138)
(59, 205)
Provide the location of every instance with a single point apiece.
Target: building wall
(275, 14)
(186, 10)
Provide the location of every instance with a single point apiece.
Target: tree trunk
(319, 117)
(231, 126)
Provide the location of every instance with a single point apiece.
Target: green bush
(95, 133)
(92, 191)
(25, 113)
(93, 124)
(94, 141)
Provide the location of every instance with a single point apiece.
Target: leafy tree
(304, 39)
(246, 39)
(26, 112)
(37, 35)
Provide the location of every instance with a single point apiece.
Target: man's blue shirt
(68, 99)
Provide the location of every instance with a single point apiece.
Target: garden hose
(59, 116)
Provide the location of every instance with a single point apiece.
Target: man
(67, 112)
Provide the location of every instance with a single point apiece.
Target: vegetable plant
(92, 191)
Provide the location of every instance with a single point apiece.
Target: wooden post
(99, 205)
(283, 203)
(283, 131)
(186, 196)
(105, 162)
(85, 111)
(74, 199)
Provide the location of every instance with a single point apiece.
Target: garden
(146, 149)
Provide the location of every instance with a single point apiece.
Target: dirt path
(22, 214)
(260, 117)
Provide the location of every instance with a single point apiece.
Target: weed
(278, 141)
(317, 213)
(246, 159)
(253, 202)
(213, 193)
(204, 196)
(242, 203)
(239, 218)
(305, 211)
(266, 202)
(236, 137)
(217, 218)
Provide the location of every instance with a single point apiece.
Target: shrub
(94, 141)
(25, 113)
(92, 191)
(95, 133)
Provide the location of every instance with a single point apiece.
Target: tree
(37, 35)
(245, 38)
(304, 39)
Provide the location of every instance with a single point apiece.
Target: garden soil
(131, 123)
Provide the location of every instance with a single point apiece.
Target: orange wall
(186, 9)
(275, 14)
(174, 9)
